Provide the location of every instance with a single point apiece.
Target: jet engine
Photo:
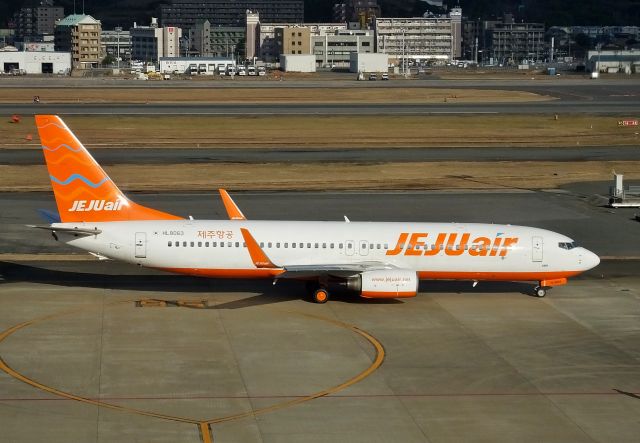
(388, 283)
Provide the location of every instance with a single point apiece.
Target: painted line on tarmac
(204, 426)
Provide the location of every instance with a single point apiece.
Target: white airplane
(373, 259)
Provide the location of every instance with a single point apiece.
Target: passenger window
(301, 245)
(324, 246)
(286, 245)
(309, 245)
(331, 245)
(349, 246)
(177, 244)
(184, 244)
(339, 245)
(269, 244)
(229, 244)
(222, 244)
(206, 244)
(378, 246)
(317, 245)
(199, 244)
(278, 245)
(244, 245)
(262, 244)
(386, 246)
(192, 244)
(237, 244)
(169, 243)
(293, 245)
(370, 245)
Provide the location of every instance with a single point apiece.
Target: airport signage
(627, 122)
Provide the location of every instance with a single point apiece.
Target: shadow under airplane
(266, 292)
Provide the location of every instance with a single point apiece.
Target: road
(151, 155)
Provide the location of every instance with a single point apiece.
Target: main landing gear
(319, 293)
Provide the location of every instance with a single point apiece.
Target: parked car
(373, 77)
(384, 76)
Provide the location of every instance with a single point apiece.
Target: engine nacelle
(389, 283)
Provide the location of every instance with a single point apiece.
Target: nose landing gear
(540, 291)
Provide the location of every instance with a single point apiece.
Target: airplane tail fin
(83, 191)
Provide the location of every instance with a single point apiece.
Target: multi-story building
(418, 38)
(80, 35)
(186, 13)
(32, 23)
(512, 43)
(216, 41)
(117, 43)
(261, 39)
(293, 40)
(360, 11)
(336, 49)
(149, 43)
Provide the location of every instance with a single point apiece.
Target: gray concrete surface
(461, 364)
(606, 106)
(111, 156)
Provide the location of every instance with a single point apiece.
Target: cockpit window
(567, 245)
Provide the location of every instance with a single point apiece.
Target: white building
(298, 62)
(36, 62)
(149, 43)
(614, 61)
(369, 63)
(195, 65)
(420, 38)
(336, 49)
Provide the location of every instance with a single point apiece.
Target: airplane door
(141, 244)
(364, 247)
(349, 247)
(536, 249)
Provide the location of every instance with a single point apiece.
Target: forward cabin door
(536, 249)
(141, 245)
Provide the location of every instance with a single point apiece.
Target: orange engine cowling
(388, 283)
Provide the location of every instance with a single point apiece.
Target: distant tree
(108, 60)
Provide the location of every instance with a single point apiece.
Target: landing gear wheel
(321, 295)
(539, 291)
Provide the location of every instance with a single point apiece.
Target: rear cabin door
(141, 245)
(536, 249)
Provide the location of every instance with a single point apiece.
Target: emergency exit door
(141, 245)
(536, 249)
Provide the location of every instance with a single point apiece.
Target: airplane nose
(589, 260)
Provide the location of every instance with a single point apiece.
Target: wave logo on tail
(83, 191)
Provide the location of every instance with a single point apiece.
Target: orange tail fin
(83, 191)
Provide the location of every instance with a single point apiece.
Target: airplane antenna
(346, 219)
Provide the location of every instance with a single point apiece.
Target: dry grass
(264, 95)
(283, 176)
(334, 131)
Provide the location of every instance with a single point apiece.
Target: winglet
(232, 209)
(260, 259)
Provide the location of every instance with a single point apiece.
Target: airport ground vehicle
(373, 77)
(372, 259)
(384, 76)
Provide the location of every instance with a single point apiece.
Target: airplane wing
(260, 260)
(337, 270)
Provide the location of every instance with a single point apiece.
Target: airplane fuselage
(433, 250)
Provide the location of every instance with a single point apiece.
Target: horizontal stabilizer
(77, 231)
(49, 216)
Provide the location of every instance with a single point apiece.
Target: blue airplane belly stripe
(73, 177)
(61, 146)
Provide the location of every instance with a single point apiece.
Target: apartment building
(79, 34)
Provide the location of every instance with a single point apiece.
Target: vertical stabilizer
(83, 191)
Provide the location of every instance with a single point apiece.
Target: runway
(603, 107)
(151, 155)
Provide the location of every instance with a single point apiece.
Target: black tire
(540, 292)
(320, 296)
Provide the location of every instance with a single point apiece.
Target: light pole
(404, 68)
(118, 31)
